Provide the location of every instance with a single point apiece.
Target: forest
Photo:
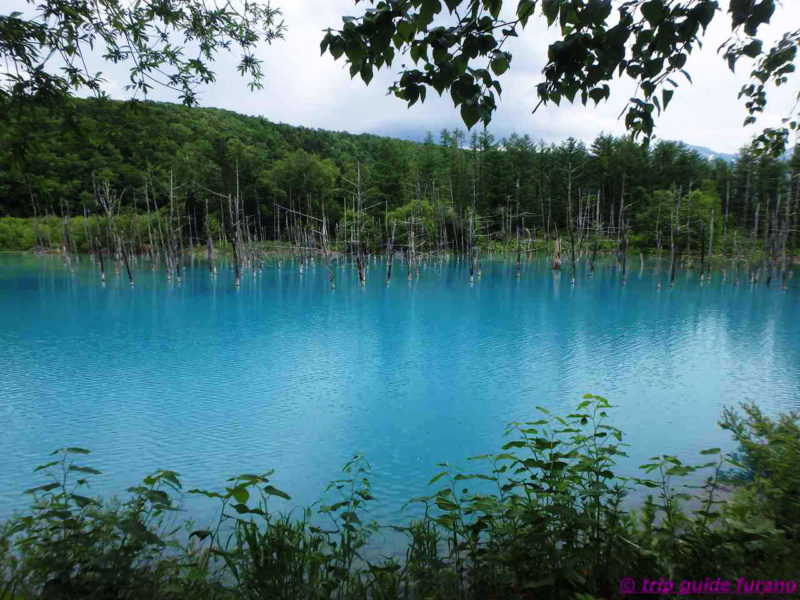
(288, 373)
(451, 192)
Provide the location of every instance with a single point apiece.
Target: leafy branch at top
(168, 43)
(458, 46)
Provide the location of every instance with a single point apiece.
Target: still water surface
(211, 381)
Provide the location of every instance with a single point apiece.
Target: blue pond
(283, 373)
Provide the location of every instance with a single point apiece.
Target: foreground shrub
(546, 517)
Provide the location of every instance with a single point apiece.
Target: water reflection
(283, 373)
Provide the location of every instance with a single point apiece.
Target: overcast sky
(304, 88)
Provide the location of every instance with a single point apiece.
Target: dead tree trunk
(209, 245)
(764, 254)
(725, 226)
(39, 239)
(624, 252)
(99, 252)
(688, 259)
(785, 236)
(710, 246)
(235, 243)
(162, 240)
(65, 241)
(620, 220)
(557, 259)
(472, 234)
(86, 233)
(390, 255)
(326, 247)
(121, 243)
(149, 228)
(702, 252)
(173, 243)
(109, 201)
(773, 243)
(360, 266)
(571, 231)
(412, 254)
(519, 248)
(753, 244)
(658, 259)
(672, 234)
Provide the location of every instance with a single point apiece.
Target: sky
(303, 88)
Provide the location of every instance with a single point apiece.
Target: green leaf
(171, 477)
(461, 477)
(350, 517)
(405, 30)
(239, 494)
(427, 10)
(84, 470)
(470, 113)
(761, 13)
(513, 444)
(333, 507)
(550, 10)
(752, 49)
(47, 465)
(525, 9)
(653, 11)
(83, 501)
(437, 477)
(446, 505)
(499, 64)
(547, 581)
(206, 493)
(273, 491)
(42, 488)
(74, 450)
(366, 73)
(666, 96)
(336, 47)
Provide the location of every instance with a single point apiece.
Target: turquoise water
(212, 381)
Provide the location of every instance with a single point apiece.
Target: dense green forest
(286, 177)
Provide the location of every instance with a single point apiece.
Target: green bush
(16, 234)
(547, 517)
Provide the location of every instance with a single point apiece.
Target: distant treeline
(453, 188)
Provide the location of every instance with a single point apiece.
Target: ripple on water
(212, 381)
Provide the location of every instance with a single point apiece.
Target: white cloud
(304, 88)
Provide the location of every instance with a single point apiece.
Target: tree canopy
(172, 43)
(459, 46)
(503, 183)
